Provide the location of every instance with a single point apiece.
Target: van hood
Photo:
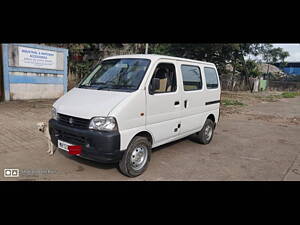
(88, 103)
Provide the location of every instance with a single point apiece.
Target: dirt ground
(256, 141)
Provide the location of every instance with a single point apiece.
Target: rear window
(211, 78)
(191, 77)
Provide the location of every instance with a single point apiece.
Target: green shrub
(227, 102)
(290, 94)
(270, 98)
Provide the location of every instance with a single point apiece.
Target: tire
(136, 158)
(202, 137)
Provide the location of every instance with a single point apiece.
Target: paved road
(259, 143)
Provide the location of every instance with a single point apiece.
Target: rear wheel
(136, 158)
(206, 134)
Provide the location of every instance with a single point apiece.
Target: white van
(130, 104)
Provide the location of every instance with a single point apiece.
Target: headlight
(103, 123)
(54, 113)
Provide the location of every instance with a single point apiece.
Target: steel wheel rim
(208, 132)
(138, 157)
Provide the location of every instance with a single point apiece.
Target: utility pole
(146, 50)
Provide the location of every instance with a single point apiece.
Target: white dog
(43, 127)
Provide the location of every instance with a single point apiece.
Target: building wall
(35, 91)
(1, 76)
(24, 85)
(292, 70)
(30, 76)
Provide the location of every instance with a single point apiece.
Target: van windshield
(117, 74)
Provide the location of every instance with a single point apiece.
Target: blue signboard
(34, 64)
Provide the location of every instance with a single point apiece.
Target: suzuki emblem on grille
(71, 120)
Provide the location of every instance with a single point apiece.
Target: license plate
(64, 145)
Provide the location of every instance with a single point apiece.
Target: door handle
(185, 103)
(176, 103)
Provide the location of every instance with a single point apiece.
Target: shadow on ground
(108, 166)
(88, 162)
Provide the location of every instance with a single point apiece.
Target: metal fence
(284, 85)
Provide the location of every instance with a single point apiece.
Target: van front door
(163, 104)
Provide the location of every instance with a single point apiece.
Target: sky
(293, 49)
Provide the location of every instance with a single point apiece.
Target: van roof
(154, 57)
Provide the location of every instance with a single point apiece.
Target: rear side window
(191, 76)
(211, 77)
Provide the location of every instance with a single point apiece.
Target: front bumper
(100, 146)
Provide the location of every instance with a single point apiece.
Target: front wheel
(136, 158)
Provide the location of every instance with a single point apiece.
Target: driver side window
(166, 74)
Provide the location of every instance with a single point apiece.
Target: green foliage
(84, 56)
(249, 68)
(266, 52)
(276, 97)
(160, 49)
(290, 94)
(228, 102)
(274, 55)
(220, 54)
(269, 98)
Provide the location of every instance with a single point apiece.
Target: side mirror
(155, 85)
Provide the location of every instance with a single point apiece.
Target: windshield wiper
(97, 84)
(122, 86)
(93, 85)
(104, 87)
(107, 85)
(83, 85)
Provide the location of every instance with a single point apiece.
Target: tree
(83, 56)
(250, 68)
(282, 56)
(220, 54)
(274, 55)
(267, 54)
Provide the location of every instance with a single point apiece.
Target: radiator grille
(70, 138)
(73, 121)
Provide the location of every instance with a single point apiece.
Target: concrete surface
(260, 142)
